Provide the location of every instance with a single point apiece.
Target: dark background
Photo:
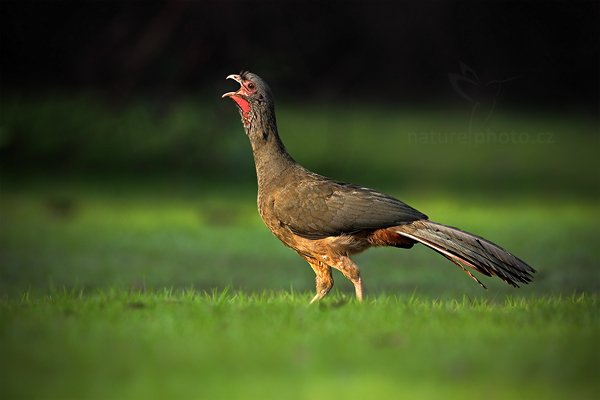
(112, 87)
(367, 51)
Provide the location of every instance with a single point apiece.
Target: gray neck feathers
(270, 156)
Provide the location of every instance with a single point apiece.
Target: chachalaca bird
(326, 221)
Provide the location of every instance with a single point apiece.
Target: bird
(327, 221)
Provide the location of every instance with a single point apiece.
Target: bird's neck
(270, 156)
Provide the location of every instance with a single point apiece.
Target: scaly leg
(324, 280)
(347, 267)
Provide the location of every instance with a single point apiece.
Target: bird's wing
(319, 208)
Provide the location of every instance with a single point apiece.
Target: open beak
(238, 79)
(240, 98)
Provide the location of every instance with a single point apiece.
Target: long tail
(467, 250)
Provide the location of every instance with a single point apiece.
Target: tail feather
(467, 250)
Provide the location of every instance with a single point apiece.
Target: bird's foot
(320, 294)
(316, 298)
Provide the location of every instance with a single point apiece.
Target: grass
(113, 291)
(165, 344)
(161, 285)
(69, 235)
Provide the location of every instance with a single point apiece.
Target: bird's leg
(323, 278)
(347, 267)
(358, 289)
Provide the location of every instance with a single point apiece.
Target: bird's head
(253, 98)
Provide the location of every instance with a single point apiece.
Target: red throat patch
(242, 103)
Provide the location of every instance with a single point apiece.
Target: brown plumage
(326, 221)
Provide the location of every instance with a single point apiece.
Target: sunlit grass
(134, 239)
(117, 344)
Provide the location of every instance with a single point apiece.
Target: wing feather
(319, 208)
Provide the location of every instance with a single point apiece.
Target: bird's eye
(251, 86)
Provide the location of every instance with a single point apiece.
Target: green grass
(104, 295)
(165, 236)
(119, 344)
